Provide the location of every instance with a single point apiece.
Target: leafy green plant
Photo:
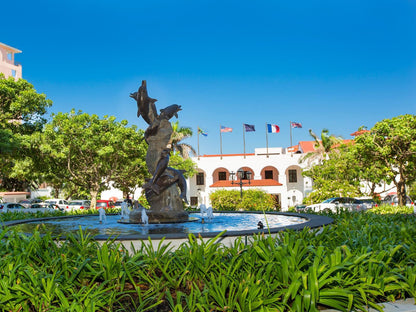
(387, 209)
(252, 200)
(225, 200)
(350, 265)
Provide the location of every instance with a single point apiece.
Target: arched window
(220, 174)
(270, 173)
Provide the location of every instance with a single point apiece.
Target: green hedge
(388, 209)
(253, 200)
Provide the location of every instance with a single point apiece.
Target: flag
(226, 129)
(200, 131)
(249, 128)
(272, 128)
(296, 124)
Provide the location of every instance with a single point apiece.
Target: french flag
(272, 128)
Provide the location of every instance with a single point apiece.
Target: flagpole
(267, 143)
(244, 141)
(290, 126)
(220, 142)
(198, 143)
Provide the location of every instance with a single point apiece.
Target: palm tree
(323, 146)
(179, 134)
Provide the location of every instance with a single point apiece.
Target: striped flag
(226, 129)
(200, 131)
(296, 124)
(272, 128)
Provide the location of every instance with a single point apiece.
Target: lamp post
(240, 176)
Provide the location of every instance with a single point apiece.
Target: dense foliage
(179, 134)
(391, 145)
(336, 176)
(22, 112)
(188, 167)
(89, 152)
(254, 200)
(323, 146)
(384, 154)
(349, 265)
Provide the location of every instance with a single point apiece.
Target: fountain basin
(234, 223)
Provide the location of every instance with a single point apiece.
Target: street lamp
(240, 176)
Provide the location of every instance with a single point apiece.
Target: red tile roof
(227, 183)
(307, 146)
(359, 132)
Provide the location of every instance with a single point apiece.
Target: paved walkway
(407, 305)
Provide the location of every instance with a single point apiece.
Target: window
(9, 56)
(268, 174)
(222, 176)
(293, 178)
(13, 73)
(200, 178)
(194, 201)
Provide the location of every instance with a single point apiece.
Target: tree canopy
(22, 112)
(89, 152)
(323, 146)
(179, 134)
(336, 176)
(391, 145)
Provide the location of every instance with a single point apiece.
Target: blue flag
(249, 128)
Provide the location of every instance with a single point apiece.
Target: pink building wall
(7, 63)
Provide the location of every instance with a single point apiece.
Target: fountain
(162, 190)
(166, 192)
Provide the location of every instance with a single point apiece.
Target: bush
(143, 201)
(359, 260)
(329, 189)
(225, 200)
(389, 209)
(252, 200)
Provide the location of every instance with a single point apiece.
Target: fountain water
(206, 212)
(102, 215)
(210, 213)
(125, 211)
(145, 218)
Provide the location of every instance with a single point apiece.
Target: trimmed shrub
(252, 200)
(225, 200)
(389, 209)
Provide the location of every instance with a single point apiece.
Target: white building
(278, 173)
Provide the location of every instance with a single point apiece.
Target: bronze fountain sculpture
(162, 190)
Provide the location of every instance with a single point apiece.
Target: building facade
(275, 170)
(8, 66)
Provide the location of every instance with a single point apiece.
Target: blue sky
(326, 64)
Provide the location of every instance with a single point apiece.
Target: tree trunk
(94, 194)
(372, 189)
(401, 192)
